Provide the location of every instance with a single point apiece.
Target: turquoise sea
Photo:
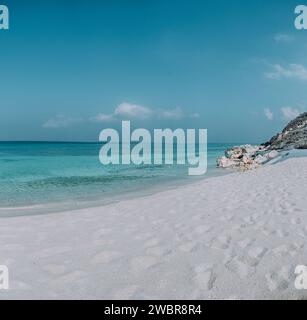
(39, 176)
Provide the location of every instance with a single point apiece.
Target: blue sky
(71, 68)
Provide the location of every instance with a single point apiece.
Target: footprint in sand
(227, 218)
(55, 269)
(198, 217)
(246, 243)
(254, 255)
(70, 277)
(202, 229)
(188, 246)
(249, 220)
(125, 293)
(285, 250)
(221, 242)
(282, 233)
(49, 252)
(205, 276)
(101, 233)
(295, 221)
(130, 230)
(239, 267)
(13, 247)
(19, 285)
(284, 212)
(267, 231)
(151, 242)
(303, 232)
(158, 251)
(143, 262)
(144, 236)
(103, 242)
(105, 257)
(228, 256)
(285, 209)
(178, 226)
(279, 280)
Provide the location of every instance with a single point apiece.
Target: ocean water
(38, 175)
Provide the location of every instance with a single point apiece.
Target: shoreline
(157, 187)
(70, 176)
(79, 204)
(239, 236)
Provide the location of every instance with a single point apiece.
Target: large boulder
(240, 156)
(293, 136)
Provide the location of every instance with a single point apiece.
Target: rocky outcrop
(294, 136)
(246, 157)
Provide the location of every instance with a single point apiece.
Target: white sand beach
(237, 236)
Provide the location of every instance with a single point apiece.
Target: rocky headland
(245, 157)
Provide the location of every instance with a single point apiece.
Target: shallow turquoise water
(39, 173)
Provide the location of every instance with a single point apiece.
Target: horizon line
(68, 141)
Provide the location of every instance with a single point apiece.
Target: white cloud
(176, 113)
(100, 117)
(296, 71)
(290, 113)
(134, 111)
(124, 110)
(129, 110)
(60, 121)
(268, 113)
(194, 115)
(282, 37)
